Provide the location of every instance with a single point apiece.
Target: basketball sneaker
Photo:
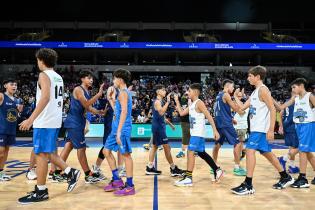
(176, 172)
(122, 172)
(283, 183)
(34, 196)
(114, 185)
(96, 170)
(152, 171)
(126, 190)
(146, 146)
(239, 171)
(50, 174)
(56, 178)
(313, 181)
(4, 177)
(218, 175)
(92, 178)
(184, 182)
(181, 154)
(243, 189)
(73, 178)
(301, 182)
(31, 174)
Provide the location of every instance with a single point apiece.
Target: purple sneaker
(126, 190)
(114, 185)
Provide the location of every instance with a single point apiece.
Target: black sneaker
(34, 196)
(283, 183)
(301, 182)
(176, 172)
(313, 181)
(92, 178)
(243, 189)
(152, 171)
(73, 178)
(56, 178)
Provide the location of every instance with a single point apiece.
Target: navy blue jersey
(76, 117)
(108, 118)
(127, 126)
(222, 112)
(8, 116)
(158, 121)
(287, 119)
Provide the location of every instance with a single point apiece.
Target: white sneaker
(122, 172)
(185, 182)
(219, 175)
(31, 174)
(98, 172)
(4, 177)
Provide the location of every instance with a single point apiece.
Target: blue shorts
(228, 134)
(197, 144)
(7, 140)
(45, 140)
(76, 137)
(124, 148)
(107, 130)
(291, 139)
(258, 141)
(306, 136)
(159, 137)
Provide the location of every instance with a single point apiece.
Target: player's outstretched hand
(101, 89)
(176, 97)
(270, 135)
(25, 125)
(168, 97)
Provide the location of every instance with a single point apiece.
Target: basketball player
(46, 120)
(109, 105)
(287, 128)
(80, 103)
(197, 113)
(184, 123)
(224, 123)
(304, 118)
(159, 134)
(262, 121)
(119, 138)
(9, 109)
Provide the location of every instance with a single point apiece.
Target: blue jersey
(287, 119)
(8, 116)
(158, 121)
(222, 112)
(126, 129)
(108, 118)
(76, 117)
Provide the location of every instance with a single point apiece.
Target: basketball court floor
(157, 192)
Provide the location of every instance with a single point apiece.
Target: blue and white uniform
(290, 136)
(259, 116)
(47, 124)
(304, 118)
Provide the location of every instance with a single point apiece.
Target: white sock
(286, 157)
(150, 165)
(67, 170)
(291, 163)
(41, 187)
(236, 166)
(172, 166)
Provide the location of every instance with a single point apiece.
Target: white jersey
(303, 113)
(51, 116)
(197, 121)
(241, 120)
(259, 113)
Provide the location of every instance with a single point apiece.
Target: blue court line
(155, 190)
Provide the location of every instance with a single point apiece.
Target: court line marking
(155, 189)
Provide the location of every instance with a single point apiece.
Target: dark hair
(258, 70)
(158, 87)
(300, 81)
(85, 73)
(227, 81)
(196, 86)
(48, 56)
(123, 74)
(6, 81)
